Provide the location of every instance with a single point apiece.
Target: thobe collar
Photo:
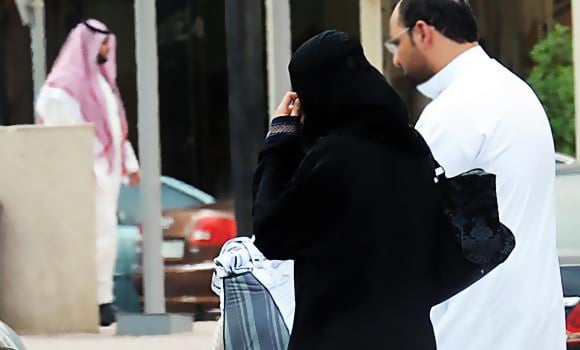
(457, 67)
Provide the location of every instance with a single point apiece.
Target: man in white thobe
(483, 116)
(81, 88)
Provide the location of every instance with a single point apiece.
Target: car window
(568, 217)
(174, 195)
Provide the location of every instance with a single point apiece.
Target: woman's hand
(286, 107)
(297, 110)
(290, 106)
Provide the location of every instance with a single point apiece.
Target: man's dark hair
(452, 18)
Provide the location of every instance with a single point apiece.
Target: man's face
(103, 51)
(409, 53)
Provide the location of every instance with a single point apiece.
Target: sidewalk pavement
(200, 339)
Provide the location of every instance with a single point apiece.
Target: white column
(38, 45)
(32, 14)
(148, 127)
(279, 50)
(576, 46)
(371, 31)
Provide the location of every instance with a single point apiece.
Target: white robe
(483, 116)
(58, 108)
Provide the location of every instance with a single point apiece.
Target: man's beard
(419, 72)
(101, 59)
(419, 75)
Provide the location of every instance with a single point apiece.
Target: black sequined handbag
(472, 241)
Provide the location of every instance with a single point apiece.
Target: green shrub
(553, 80)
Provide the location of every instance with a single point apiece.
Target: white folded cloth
(239, 256)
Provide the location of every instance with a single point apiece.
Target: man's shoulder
(492, 91)
(452, 104)
(56, 93)
(493, 81)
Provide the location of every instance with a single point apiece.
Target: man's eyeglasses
(393, 44)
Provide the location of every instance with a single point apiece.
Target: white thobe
(58, 108)
(483, 116)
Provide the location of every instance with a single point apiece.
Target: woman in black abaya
(350, 197)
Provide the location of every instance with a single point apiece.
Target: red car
(193, 237)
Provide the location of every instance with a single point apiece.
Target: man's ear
(424, 33)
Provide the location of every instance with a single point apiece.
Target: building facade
(193, 76)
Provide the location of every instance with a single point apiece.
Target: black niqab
(338, 86)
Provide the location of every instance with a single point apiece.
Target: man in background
(82, 88)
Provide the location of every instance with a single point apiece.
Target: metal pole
(279, 46)
(148, 127)
(247, 101)
(38, 45)
(576, 48)
(371, 31)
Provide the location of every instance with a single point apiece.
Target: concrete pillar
(38, 45)
(371, 31)
(32, 14)
(390, 71)
(576, 47)
(149, 152)
(47, 230)
(279, 50)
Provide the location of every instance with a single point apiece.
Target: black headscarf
(338, 87)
